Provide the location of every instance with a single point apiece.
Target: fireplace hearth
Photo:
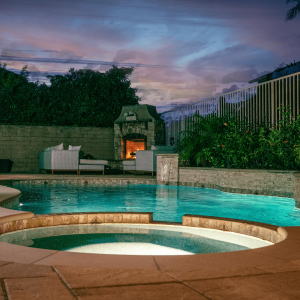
(137, 128)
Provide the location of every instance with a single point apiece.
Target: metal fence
(253, 102)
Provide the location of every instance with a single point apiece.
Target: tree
(291, 14)
(81, 98)
(15, 92)
(91, 97)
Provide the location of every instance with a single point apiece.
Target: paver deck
(265, 273)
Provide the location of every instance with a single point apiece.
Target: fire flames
(132, 147)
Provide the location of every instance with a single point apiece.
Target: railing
(253, 102)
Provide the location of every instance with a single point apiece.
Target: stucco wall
(22, 144)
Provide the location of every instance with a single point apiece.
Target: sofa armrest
(42, 160)
(144, 160)
(59, 160)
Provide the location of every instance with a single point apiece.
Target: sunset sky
(182, 50)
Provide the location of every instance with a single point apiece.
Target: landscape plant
(222, 142)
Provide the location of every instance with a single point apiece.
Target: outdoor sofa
(56, 159)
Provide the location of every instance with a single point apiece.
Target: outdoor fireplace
(137, 128)
(132, 142)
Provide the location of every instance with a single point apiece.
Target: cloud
(209, 79)
(241, 56)
(231, 89)
(178, 50)
(16, 50)
(125, 55)
(240, 76)
(77, 61)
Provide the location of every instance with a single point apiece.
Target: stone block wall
(278, 183)
(296, 195)
(22, 144)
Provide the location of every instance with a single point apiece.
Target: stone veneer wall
(278, 183)
(167, 171)
(22, 144)
(76, 218)
(267, 232)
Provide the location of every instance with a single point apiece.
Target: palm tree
(291, 14)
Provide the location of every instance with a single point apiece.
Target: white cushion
(91, 167)
(128, 168)
(74, 147)
(162, 148)
(128, 162)
(58, 147)
(93, 162)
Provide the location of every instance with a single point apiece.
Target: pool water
(168, 203)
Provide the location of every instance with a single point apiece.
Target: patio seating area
(57, 159)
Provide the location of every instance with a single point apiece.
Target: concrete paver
(205, 273)
(277, 286)
(14, 270)
(237, 259)
(22, 254)
(46, 288)
(1, 292)
(101, 260)
(165, 291)
(99, 277)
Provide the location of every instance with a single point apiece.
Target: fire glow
(132, 147)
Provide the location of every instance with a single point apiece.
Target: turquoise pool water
(168, 203)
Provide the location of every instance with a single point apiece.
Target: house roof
(279, 72)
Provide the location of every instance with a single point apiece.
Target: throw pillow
(74, 148)
(58, 147)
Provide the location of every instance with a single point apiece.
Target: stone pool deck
(271, 272)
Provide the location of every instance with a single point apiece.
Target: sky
(182, 51)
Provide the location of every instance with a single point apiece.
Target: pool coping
(283, 256)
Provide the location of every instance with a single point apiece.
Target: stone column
(167, 171)
(296, 195)
(117, 141)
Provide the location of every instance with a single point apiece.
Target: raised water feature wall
(278, 183)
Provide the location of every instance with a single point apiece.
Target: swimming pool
(168, 203)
